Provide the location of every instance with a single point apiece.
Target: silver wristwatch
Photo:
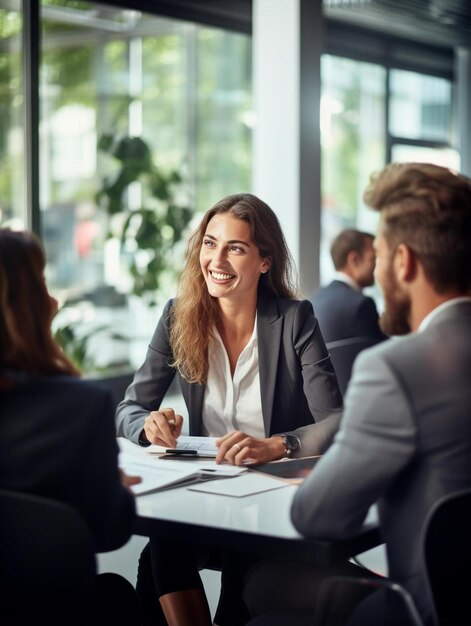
(292, 443)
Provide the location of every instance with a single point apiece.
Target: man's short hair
(427, 208)
(347, 241)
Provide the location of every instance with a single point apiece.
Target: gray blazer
(298, 386)
(404, 441)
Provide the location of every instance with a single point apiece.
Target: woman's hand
(163, 427)
(237, 448)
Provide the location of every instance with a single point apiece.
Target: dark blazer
(343, 312)
(58, 440)
(299, 389)
(404, 442)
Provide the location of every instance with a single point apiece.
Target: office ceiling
(439, 22)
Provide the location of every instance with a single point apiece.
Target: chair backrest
(116, 384)
(339, 597)
(446, 541)
(343, 354)
(47, 562)
(447, 555)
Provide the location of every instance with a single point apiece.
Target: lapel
(269, 329)
(196, 396)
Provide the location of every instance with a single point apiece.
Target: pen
(182, 451)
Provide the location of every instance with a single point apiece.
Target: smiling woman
(231, 263)
(238, 230)
(254, 372)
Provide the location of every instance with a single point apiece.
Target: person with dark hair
(57, 433)
(253, 369)
(405, 437)
(341, 308)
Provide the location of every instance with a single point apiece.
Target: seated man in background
(341, 308)
(405, 436)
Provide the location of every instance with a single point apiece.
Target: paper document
(204, 446)
(157, 474)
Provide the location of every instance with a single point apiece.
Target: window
(185, 91)
(420, 119)
(371, 115)
(353, 145)
(420, 106)
(12, 161)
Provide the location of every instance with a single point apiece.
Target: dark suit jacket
(343, 312)
(404, 442)
(299, 390)
(58, 440)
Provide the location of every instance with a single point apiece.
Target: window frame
(393, 53)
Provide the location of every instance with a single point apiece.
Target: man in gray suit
(405, 435)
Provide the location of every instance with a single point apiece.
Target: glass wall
(353, 141)
(370, 115)
(12, 161)
(419, 106)
(420, 119)
(145, 122)
(143, 126)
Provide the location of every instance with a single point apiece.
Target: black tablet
(288, 468)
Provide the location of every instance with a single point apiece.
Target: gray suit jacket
(404, 441)
(299, 390)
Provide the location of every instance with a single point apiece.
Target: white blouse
(233, 403)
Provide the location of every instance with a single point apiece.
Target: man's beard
(395, 319)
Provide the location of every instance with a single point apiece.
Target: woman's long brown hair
(195, 312)
(26, 341)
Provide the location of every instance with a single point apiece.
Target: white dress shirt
(233, 402)
(348, 280)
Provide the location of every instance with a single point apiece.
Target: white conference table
(259, 522)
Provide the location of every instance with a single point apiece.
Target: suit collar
(267, 308)
(345, 279)
(342, 285)
(449, 310)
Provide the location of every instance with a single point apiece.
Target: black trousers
(167, 567)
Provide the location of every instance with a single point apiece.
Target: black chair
(338, 597)
(343, 354)
(116, 384)
(447, 555)
(47, 563)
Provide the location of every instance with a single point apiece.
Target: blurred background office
(122, 121)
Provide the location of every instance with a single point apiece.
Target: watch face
(291, 442)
